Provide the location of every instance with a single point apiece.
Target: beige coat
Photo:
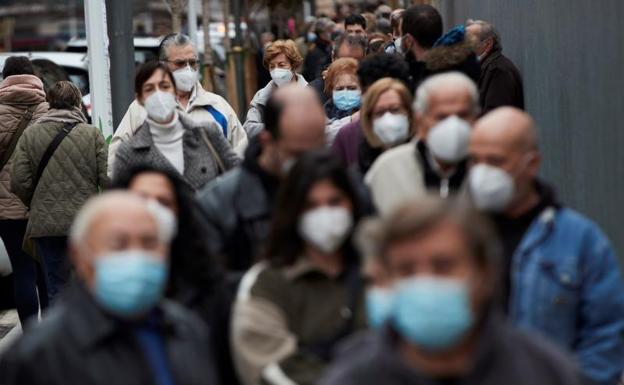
(196, 109)
(395, 176)
(17, 94)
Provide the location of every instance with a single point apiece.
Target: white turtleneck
(168, 140)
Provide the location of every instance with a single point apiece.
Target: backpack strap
(219, 118)
(21, 126)
(50, 151)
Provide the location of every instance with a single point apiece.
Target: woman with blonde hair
(282, 59)
(386, 119)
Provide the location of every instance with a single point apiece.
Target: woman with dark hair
(294, 307)
(169, 138)
(195, 279)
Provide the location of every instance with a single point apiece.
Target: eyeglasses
(193, 63)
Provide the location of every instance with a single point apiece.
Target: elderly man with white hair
(113, 327)
(445, 108)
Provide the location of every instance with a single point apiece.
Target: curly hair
(341, 66)
(286, 47)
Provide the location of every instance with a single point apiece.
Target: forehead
(176, 52)
(279, 58)
(494, 139)
(122, 220)
(347, 50)
(346, 78)
(303, 122)
(389, 97)
(355, 26)
(449, 98)
(157, 77)
(446, 238)
(474, 29)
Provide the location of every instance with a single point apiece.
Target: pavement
(10, 329)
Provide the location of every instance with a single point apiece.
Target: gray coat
(199, 164)
(504, 356)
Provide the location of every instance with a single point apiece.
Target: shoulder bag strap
(212, 150)
(50, 151)
(21, 126)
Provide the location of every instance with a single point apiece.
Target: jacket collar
(490, 58)
(89, 324)
(544, 224)
(143, 138)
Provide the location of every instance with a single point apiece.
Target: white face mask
(186, 78)
(448, 140)
(326, 227)
(281, 76)
(160, 106)
(491, 188)
(391, 128)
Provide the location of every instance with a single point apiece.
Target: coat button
(204, 170)
(346, 313)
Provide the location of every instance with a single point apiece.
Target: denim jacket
(566, 285)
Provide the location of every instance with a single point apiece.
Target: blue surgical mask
(379, 303)
(347, 100)
(311, 37)
(129, 283)
(432, 313)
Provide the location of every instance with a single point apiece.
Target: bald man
(113, 326)
(238, 206)
(561, 275)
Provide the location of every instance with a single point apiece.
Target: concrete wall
(571, 55)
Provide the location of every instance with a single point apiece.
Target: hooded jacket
(17, 94)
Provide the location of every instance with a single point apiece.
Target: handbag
(213, 152)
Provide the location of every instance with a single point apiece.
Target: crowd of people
(377, 217)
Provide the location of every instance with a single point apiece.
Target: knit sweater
(168, 140)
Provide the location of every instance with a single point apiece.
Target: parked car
(54, 66)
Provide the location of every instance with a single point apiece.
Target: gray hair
(416, 217)
(164, 218)
(447, 79)
(174, 40)
(350, 41)
(487, 31)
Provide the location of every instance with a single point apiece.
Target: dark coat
(238, 209)
(504, 356)
(500, 83)
(318, 85)
(317, 60)
(199, 164)
(79, 344)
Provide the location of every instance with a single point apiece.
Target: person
(181, 57)
(306, 296)
(394, 46)
(383, 11)
(345, 46)
(377, 40)
(22, 102)
(443, 326)
(355, 25)
(195, 280)
(171, 139)
(561, 276)
(386, 120)
(371, 23)
(500, 83)
(282, 59)
(263, 75)
(375, 67)
(342, 83)
(421, 28)
(55, 191)
(319, 57)
(453, 51)
(445, 106)
(113, 327)
(238, 206)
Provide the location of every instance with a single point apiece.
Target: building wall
(571, 56)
